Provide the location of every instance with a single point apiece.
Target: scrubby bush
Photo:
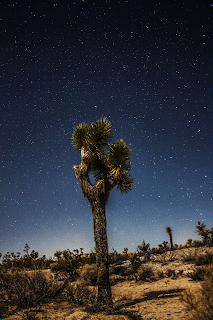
(200, 303)
(68, 262)
(170, 273)
(197, 243)
(27, 289)
(144, 273)
(197, 274)
(135, 261)
(80, 294)
(89, 274)
(204, 259)
(120, 258)
(190, 255)
(68, 267)
(159, 274)
(198, 259)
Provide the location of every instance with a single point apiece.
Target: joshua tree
(125, 251)
(58, 254)
(169, 231)
(203, 232)
(109, 163)
(144, 247)
(189, 242)
(26, 249)
(165, 244)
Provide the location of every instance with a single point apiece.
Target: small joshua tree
(110, 165)
(169, 231)
(165, 244)
(203, 232)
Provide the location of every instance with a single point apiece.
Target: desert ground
(157, 297)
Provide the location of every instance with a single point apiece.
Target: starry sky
(148, 67)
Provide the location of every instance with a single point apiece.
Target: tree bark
(97, 195)
(101, 244)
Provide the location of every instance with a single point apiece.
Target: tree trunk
(171, 241)
(97, 195)
(101, 244)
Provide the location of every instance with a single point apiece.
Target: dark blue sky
(147, 66)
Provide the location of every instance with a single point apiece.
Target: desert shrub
(197, 274)
(190, 255)
(180, 272)
(89, 274)
(197, 243)
(144, 273)
(170, 273)
(200, 303)
(204, 259)
(68, 266)
(120, 258)
(80, 294)
(165, 256)
(159, 274)
(135, 261)
(26, 290)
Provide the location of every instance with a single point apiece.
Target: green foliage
(92, 136)
(106, 160)
(119, 165)
(168, 230)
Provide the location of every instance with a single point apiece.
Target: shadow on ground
(152, 296)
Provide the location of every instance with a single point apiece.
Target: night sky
(148, 67)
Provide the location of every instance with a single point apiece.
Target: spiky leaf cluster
(92, 136)
(106, 160)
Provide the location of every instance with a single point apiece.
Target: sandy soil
(150, 300)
